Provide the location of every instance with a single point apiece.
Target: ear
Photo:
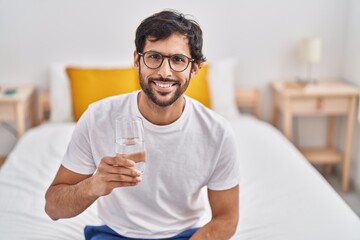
(195, 69)
(136, 61)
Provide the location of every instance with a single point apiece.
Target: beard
(151, 94)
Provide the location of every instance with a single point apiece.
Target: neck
(160, 115)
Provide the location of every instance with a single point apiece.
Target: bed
(282, 196)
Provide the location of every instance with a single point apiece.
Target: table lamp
(310, 53)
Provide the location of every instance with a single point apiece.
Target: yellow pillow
(199, 88)
(89, 85)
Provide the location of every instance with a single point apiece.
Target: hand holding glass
(129, 142)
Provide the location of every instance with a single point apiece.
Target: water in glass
(129, 140)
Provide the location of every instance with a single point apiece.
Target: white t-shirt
(196, 150)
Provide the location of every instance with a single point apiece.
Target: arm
(71, 193)
(225, 214)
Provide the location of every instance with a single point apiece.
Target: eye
(153, 55)
(178, 59)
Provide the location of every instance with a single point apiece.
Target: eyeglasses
(177, 62)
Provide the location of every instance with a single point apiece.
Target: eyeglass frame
(191, 60)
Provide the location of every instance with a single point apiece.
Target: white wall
(263, 35)
(352, 74)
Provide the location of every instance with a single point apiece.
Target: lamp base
(306, 80)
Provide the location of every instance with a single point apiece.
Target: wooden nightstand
(324, 98)
(18, 106)
(249, 98)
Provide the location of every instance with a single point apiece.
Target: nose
(165, 70)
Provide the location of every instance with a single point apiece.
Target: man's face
(163, 86)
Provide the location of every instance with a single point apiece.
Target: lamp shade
(311, 50)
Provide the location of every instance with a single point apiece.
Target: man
(187, 147)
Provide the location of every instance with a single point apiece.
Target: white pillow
(222, 87)
(60, 97)
(221, 79)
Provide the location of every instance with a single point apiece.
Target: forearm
(216, 229)
(66, 201)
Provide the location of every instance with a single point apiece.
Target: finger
(122, 184)
(124, 171)
(118, 161)
(122, 161)
(123, 178)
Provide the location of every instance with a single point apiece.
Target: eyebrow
(168, 55)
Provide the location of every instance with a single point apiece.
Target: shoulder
(207, 117)
(109, 102)
(204, 112)
(107, 108)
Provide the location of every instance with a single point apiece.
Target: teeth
(163, 85)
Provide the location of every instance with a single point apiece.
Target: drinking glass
(129, 140)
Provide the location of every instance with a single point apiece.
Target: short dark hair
(163, 24)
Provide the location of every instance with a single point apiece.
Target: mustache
(161, 79)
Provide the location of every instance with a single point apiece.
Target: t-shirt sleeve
(78, 157)
(227, 170)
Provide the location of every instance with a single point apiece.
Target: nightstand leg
(32, 112)
(2, 159)
(20, 118)
(287, 121)
(329, 142)
(275, 117)
(348, 144)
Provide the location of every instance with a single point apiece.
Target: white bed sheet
(282, 196)
(24, 178)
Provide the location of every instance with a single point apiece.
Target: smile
(164, 85)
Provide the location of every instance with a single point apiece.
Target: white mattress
(282, 196)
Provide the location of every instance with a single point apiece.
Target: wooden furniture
(324, 98)
(18, 106)
(43, 106)
(249, 98)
